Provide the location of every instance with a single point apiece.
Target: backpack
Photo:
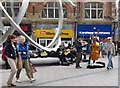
(3, 55)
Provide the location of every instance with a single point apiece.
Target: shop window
(94, 10)
(51, 10)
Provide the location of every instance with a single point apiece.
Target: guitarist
(68, 53)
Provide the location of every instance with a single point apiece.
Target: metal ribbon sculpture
(19, 19)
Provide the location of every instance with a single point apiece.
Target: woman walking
(11, 54)
(23, 54)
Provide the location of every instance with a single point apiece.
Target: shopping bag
(32, 67)
(19, 63)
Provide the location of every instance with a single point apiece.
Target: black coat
(119, 47)
(9, 51)
(78, 46)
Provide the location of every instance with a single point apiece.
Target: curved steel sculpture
(17, 27)
(17, 20)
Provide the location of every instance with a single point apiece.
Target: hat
(109, 38)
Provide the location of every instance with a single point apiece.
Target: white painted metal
(17, 20)
(17, 27)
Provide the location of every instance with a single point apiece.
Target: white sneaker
(32, 79)
(18, 81)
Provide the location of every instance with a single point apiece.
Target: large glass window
(7, 6)
(50, 10)
(94, 10)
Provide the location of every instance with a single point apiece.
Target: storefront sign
(25, 27)
(50, 33)
(87, 30)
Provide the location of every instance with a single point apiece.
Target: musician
(95, 50)
(93, 39)
(61, 55)
(78, 46)
(90, 42)
(68, 53)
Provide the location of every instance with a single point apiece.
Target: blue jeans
(110, 63)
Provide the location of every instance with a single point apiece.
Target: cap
(109, 38)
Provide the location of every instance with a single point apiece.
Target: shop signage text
(89, 29)
(51, 33)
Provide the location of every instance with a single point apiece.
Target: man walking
(110, 50)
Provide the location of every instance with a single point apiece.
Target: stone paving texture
(69, 76)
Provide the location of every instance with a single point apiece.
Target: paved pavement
(69, 76)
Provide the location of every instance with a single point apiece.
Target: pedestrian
(23, 55)
(78, 46)
(110, 51)
(11, 54)
(118, 48)
(102, 45)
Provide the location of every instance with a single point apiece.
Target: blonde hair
(22, 37)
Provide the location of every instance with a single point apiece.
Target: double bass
(95, 49)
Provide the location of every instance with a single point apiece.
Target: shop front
(44, 37)
(25, 27)
(86, 30)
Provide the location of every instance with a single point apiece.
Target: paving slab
(69, 76)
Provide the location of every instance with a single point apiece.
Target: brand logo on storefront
(51, 33)
(42, 32)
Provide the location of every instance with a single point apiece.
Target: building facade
(119, 18)
(84, 20)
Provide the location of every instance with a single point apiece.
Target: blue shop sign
(87, 30)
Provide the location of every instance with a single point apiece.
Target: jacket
(78, 46)
(118, 47)
(10, 51)
(110, 48)
(23, 50)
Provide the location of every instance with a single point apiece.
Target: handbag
(19, 63)
(32, 67)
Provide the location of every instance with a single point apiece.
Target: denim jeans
(110, 63)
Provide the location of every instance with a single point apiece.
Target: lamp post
(75, 29)
(114, 27)
(75, 25)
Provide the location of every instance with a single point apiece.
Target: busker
(78, 46)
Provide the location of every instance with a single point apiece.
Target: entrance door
(44, 42)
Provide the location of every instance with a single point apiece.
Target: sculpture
(15, 25)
